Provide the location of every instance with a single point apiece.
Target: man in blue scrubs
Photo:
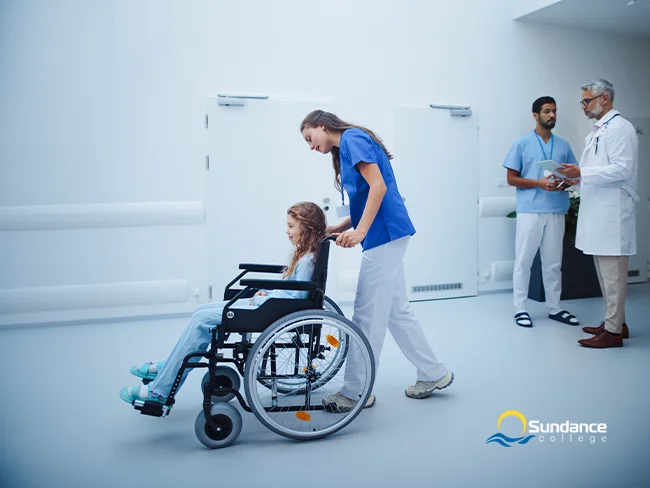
(542, 205)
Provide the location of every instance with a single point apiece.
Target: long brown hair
(333, 124)
(312, 225)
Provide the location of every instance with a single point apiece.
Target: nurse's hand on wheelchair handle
(350, 239)
(333, 230)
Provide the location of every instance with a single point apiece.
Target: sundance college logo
(549, 432)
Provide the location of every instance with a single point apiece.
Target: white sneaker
(339, 403)
(423, 389)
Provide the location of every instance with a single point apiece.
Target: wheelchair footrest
(154, 409)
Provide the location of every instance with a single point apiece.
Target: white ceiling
(611, 16)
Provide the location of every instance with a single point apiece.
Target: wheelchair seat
(258, 319)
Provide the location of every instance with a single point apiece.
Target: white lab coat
(606, 220)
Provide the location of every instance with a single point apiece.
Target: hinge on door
(210, 292)
(207, 162)
(206, 121)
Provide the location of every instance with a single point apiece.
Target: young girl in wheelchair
(306, 225)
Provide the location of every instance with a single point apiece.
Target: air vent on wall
(441, 287)
(633, 273)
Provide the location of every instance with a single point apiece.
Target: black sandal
(564, 317)
(521, 319)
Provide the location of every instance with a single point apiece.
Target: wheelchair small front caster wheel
(228, 422)
(224, 378)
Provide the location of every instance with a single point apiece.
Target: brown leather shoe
(602, 340)
(601, 327)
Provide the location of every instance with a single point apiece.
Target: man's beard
(598, 110)
(547, 125)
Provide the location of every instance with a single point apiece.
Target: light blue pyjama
(196, 337)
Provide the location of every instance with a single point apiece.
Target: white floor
(63, 424)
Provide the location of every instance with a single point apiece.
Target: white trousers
(543, 231)
(381, 303)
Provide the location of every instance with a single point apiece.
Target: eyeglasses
(586, 101)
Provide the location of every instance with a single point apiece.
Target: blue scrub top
(524, 153)
(392, 221)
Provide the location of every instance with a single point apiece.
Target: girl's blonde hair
(312, 225)
(333, 124)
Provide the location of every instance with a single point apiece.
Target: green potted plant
(579, 277)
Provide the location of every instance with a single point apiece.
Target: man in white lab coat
(606, 220)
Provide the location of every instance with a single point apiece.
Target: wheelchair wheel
(339, 353)
(225, 377)
(229, 424)
(331, 306)
(301, 413)
(330, 359)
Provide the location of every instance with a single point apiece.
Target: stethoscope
(602, 129)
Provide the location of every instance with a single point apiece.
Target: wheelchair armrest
(230, 293)
(281, 284)
(262, 268)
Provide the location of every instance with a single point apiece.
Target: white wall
(103, 102)
(519, 8)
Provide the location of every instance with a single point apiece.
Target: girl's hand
(331, 229)
(350, 239)
(260, 293)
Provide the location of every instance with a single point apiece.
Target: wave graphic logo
(506, 441)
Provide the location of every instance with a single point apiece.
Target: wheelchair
(290, 354)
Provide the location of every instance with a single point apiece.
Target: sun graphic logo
(506, 441)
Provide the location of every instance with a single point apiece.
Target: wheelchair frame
(232, 323)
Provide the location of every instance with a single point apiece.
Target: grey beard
(598, 110)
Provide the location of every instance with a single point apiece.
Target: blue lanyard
(539, 139)
(342, 196)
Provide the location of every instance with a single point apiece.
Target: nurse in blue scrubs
(379, 222)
